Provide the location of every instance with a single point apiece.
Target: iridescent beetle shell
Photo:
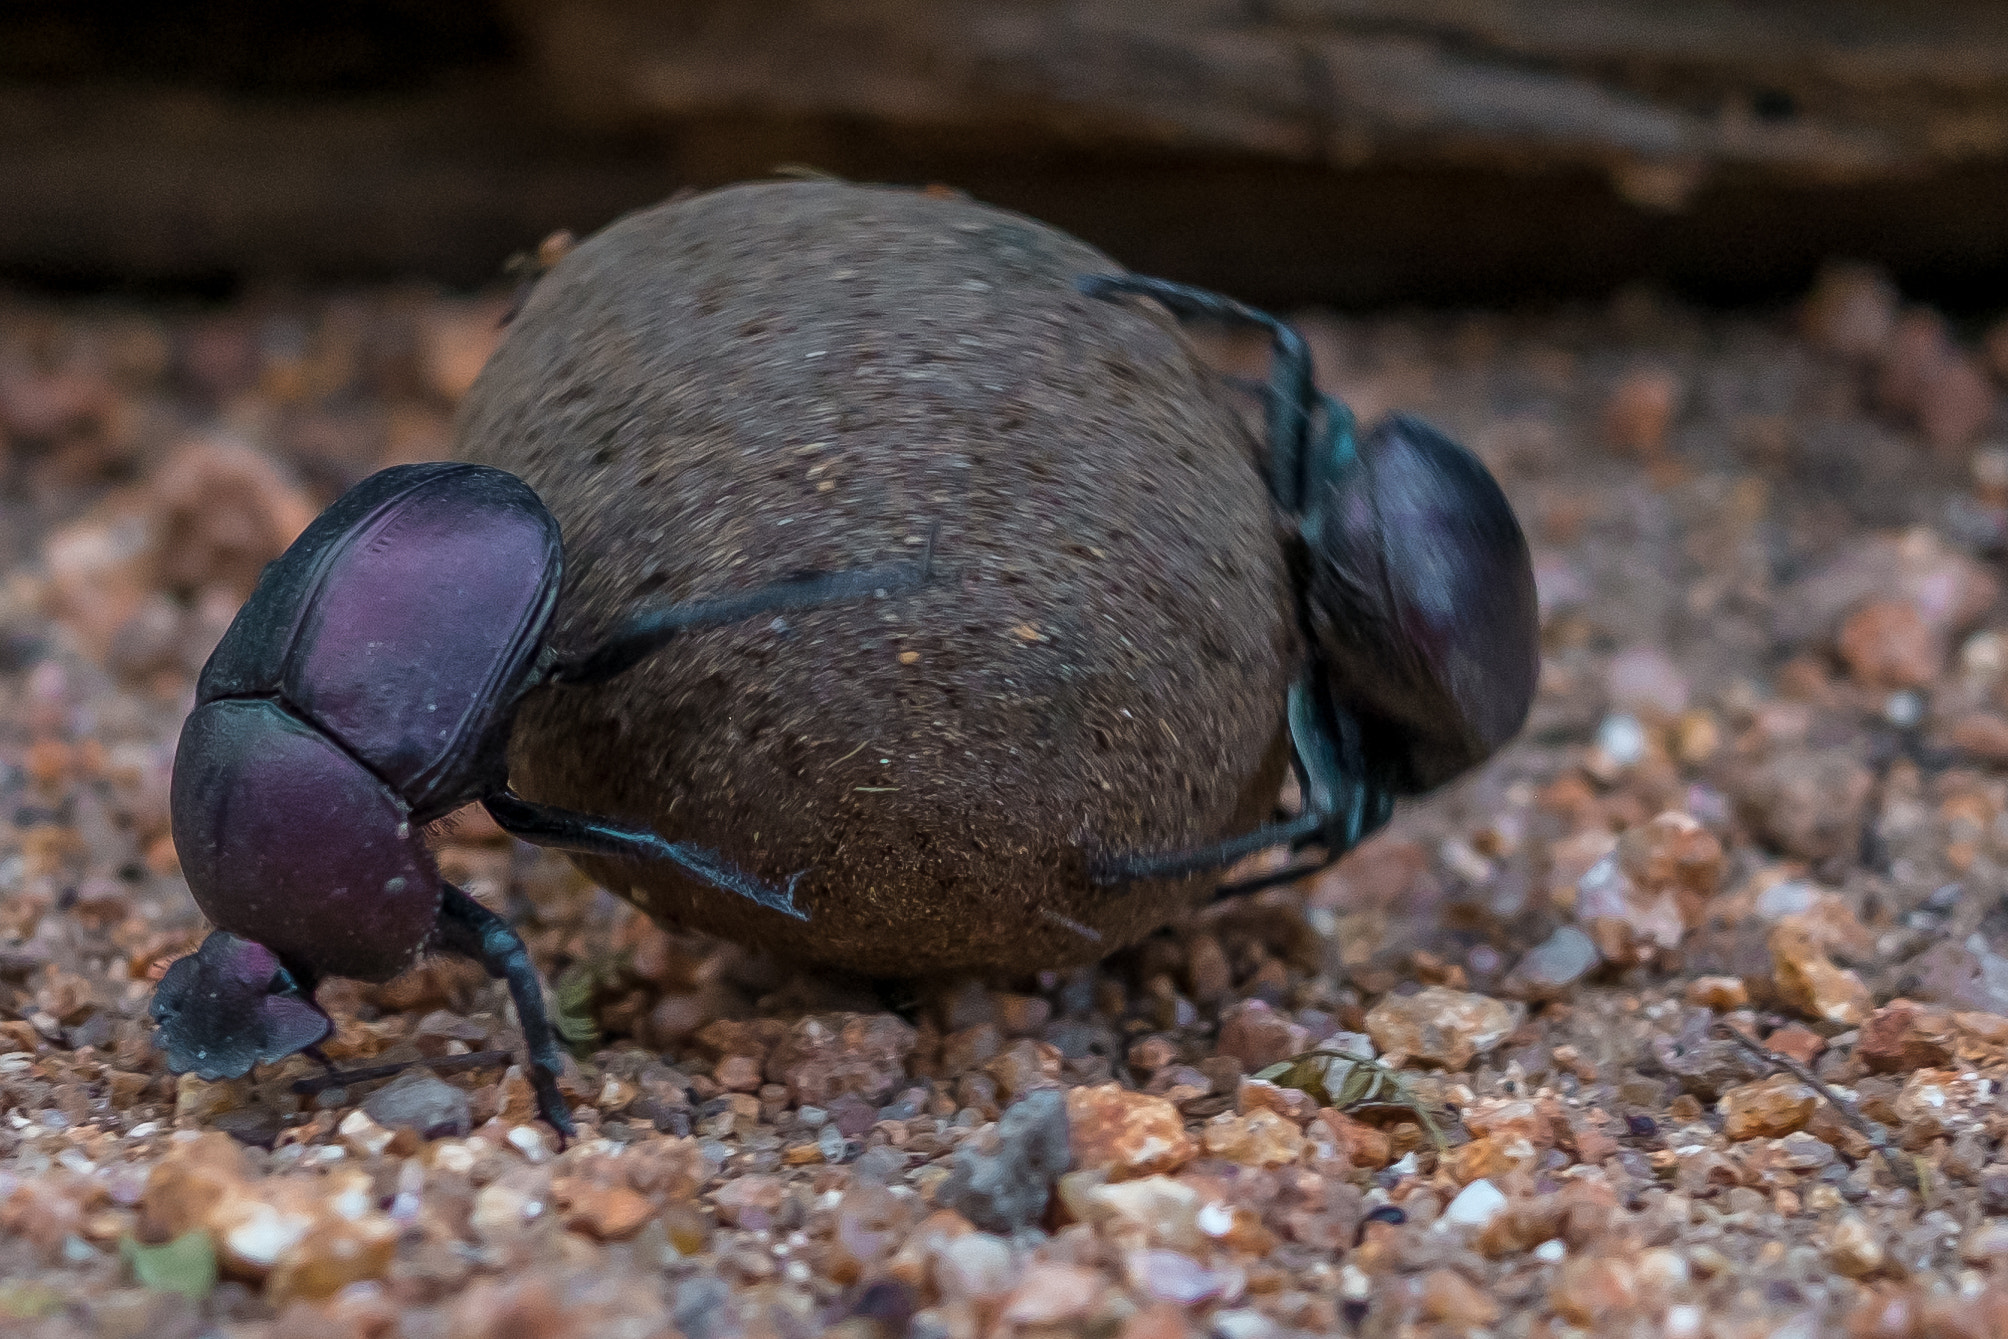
(350, 703)
(1421, 594)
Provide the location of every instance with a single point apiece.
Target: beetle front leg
(569, 830)
(473, 931)
(1292, 391)
(647, 633)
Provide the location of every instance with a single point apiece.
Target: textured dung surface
(721, 390)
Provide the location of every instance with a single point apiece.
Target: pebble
(1720, 993)
(1126, 1133)
(1442, 1026)
(1594, 1291)
(825, 1055)
(1052, 1293)
(1475, 1206)
(1807, 802)
(1003, 1185)
(1551, 969)
(1448, 1297)
(1885, 644)
(1259, 1139)
(1258, 1036)
(752, 1201)
(1767, 1109)
(1903, 1036)
(975, 1266)
(421, 1101)
(602, 1212)
(1807, 980)
(1640, 410)
(1854, 1247)
(1170, 1276)
(1149, 1211)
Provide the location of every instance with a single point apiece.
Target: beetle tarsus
(472, 930)
(588, 834)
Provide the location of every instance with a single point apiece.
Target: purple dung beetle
(1415, 600)
(366, 689)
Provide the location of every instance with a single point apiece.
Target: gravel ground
(1480, 1078)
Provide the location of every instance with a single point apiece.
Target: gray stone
(421, 1101)
(1004, 1184)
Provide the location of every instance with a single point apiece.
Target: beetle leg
(472, 930)
(646, 633)
(568, 830)
(1343, 804)
(1292, 393)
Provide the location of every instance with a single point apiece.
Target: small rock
(1948, 589)
(1475, 1206)
(1159, 1320)
(1443, 1026)
(1885, 644)
(1023, 1066)
(421, 1101)
(752, 1201)
(1796, 1043)
(1767, 1109)
(1149, 1211)
(1052, 1293)
(1720, 993)
(975, 1266)
(363, 1137)
(1127, 1133)
(1903, 1036)
(823, 1056)
(1807, 802)
(1967, 975)
(1447, 1296)
(1258, 1139)
(1169, 1276)
(1258, 1036)
(1592, 1291)
(1639, 411)
(1854, 1248)
(602, 1212)
(1807, 980)
(1004, 1186)
(337, 1252)
(1550, 970)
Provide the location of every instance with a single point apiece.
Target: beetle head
(1422, 602)
(231, 1005)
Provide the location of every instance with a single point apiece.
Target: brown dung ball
(729, 388)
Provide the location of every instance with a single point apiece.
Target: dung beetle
(1415, 601)
(366, 689)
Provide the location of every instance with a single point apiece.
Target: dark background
(1352, 151)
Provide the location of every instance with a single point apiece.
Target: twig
(445, 1064)
(1878, 1138)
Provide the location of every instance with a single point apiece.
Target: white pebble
(1476, 1205)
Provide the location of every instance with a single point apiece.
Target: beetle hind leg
(473, 931)
(568, 830)
(650, 631)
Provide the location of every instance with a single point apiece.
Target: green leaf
(575, 990)
(186, 1265)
